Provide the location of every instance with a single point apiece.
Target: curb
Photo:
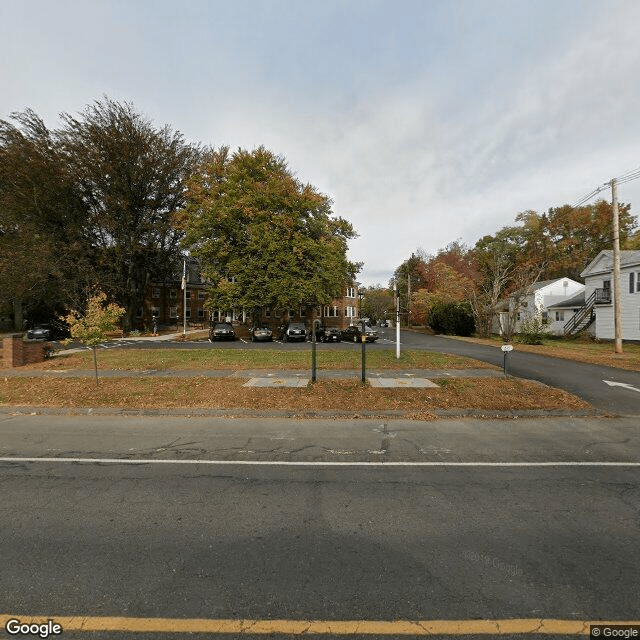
(305, 414)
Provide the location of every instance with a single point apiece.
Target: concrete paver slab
(410, 383)
(277, 381)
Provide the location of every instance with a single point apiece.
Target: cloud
(425, 122)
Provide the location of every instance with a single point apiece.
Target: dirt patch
(228, 393)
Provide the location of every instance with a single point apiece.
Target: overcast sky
(425, 122)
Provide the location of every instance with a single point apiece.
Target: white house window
(351, 292)
(155, 311)
(173, 294)
(200, 312)
(331, 312)
(292, 312)
(200, 295)
(155, 292)
(173, 312)
(350, 312)
(188, 312)
(559, 316)
(632, 283)
(188, 295)
(267, 313)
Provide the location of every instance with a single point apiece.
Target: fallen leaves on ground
(228, 393)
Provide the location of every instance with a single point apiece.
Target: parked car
(328, 334)
(293, 331)
(261, 333)
(384, 323)
(42, 332)
(354, 334)
(222, 331)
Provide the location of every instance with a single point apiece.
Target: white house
(598, 277)
(570, 316)
(539, 297)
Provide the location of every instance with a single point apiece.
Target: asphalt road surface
(219, 520)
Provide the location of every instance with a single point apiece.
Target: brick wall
(17, 352)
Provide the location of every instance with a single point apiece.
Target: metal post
(313, 350)
(506, 350)
(617, 313)
(364, 355)
(397, 297)
(184, 299)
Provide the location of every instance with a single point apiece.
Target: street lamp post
(397, 297)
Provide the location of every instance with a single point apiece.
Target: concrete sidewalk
(254, 373)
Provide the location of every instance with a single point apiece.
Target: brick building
(165, 300)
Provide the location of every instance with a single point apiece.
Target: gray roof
(575, 301)
(628, 258)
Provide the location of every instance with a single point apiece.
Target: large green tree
(264, 239)
(43, 256)
(131, 175)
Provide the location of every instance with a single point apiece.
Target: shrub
(452, 318)
(532, 331)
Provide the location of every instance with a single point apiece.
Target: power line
(625, 175)
(633, 174)
(590, 195)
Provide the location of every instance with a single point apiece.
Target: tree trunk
(18, 316)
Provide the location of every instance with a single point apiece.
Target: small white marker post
(506, 349)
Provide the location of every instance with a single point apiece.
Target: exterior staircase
(586, 314)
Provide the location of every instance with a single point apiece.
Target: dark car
(328, 334)
(42, 332)
(293, 331)
(354, 334)
(384, 323)
(261, 333)
(222, 331)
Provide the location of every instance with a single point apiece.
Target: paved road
(581, 379)
(237, 541)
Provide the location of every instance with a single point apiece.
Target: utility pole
(408, 300)
(617, 320)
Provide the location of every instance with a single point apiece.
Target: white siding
(629, 305)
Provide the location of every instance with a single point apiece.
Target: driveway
(612, 390)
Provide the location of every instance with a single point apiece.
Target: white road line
(316, 463)
(624, 385)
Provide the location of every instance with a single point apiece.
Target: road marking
(318, 627)
(611, 383)
(328, 463)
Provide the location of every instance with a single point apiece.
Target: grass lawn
(238, 359)
(348, 396)
(582, 350)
